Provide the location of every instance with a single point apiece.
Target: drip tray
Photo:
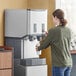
(33, 61)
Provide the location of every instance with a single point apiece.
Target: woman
(59, 39)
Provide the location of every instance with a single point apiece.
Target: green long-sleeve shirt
(59, 40)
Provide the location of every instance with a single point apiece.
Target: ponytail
(63, 22)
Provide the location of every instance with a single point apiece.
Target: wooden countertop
(5, 48)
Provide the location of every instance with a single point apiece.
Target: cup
(38, 52)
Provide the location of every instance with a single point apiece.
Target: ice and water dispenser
(23, 30)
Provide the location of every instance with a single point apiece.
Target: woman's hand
(38, 51)
(36, 48)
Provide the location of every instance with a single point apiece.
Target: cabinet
(6, 61)
(73, 71)
(6, 72)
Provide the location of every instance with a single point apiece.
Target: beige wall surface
(30, 4)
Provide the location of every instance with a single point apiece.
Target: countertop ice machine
(23, 30)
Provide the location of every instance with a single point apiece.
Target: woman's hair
(60, 15)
